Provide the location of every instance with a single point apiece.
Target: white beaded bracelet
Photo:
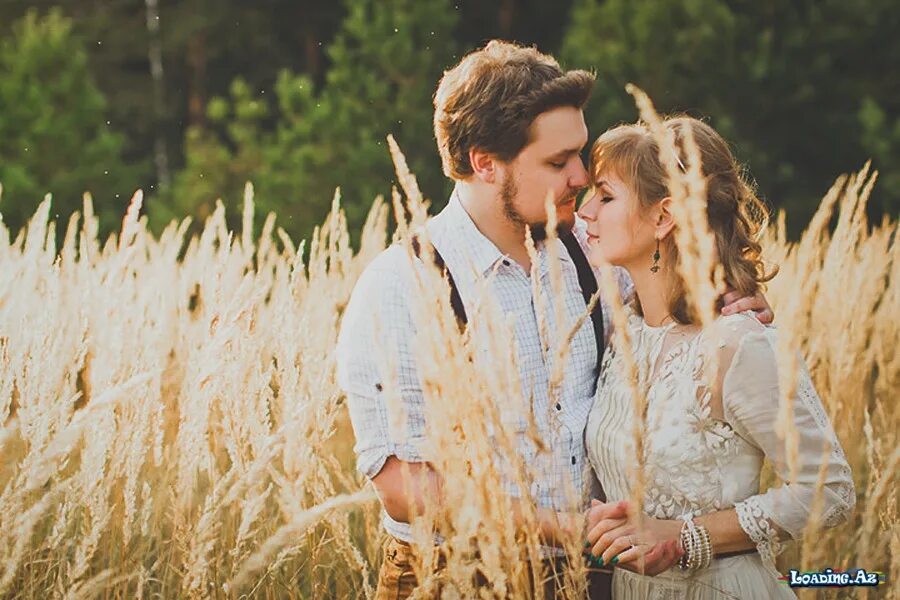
(697, 546)
(706, 545)
(687, 543)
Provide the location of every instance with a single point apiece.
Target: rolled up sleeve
(376, 366)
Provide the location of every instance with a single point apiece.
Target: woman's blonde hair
(736, 215)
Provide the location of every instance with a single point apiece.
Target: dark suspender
(455, 300)
(586, 280)
(588, 284)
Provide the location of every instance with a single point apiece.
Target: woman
(707, 429)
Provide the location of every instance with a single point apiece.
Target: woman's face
(619, 231)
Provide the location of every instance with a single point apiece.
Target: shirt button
(505, 263)
(378, 387)
(573, 460)
(558, 406)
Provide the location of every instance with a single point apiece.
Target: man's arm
(384, 396)
(404, 488)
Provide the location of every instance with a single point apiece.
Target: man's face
(550, 164)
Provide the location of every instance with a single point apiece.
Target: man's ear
(484, 165)
(665, 221)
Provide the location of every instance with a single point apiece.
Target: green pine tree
(385, 65)
(881, 139)
(54, 135)
(675, 50)
(771, 78)
(217, 166)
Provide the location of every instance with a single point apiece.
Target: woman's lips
(592, 239)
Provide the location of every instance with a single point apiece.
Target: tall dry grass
(172, 427)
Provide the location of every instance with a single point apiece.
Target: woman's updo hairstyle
(736, 215)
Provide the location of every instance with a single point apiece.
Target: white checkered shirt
(382, 295)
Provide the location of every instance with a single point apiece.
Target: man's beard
(508, 192)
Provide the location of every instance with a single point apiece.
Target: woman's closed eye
(601, 190)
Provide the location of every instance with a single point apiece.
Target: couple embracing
(509, 127)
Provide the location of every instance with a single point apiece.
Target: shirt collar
(482, 254)
(455, 223)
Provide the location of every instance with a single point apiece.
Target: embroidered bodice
(712, 403)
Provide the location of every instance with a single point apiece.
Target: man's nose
(579, 178)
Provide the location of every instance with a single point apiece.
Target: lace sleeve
(751, 404)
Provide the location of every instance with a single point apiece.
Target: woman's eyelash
(557, 165)
(605, 199)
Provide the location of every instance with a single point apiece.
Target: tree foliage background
(299, 96)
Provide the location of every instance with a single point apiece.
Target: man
(509, 128)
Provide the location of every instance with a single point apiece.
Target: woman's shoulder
(733, 330)
(748, 355)
(740, 336)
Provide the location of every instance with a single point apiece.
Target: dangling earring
(655, 266)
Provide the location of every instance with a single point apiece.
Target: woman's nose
(588, 210)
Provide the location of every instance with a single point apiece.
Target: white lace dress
(704, 448)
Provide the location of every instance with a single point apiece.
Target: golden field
(172, 426)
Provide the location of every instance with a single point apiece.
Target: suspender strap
(455, 300)
(586, 280)
(588, 284)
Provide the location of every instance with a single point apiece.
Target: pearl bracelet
(697, 546)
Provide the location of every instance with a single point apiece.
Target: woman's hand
(652, 548)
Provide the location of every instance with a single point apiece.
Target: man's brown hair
(490, 99)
